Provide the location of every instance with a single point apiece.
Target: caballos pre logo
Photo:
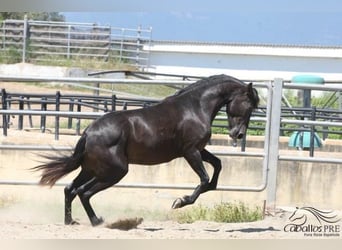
(313, 222)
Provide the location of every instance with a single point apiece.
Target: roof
(245, 49)
(268, 45)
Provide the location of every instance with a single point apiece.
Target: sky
(299, 22)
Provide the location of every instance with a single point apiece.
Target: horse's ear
(253, 93)
(250, 88)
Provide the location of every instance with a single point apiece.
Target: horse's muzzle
(238, 136)
(237, 133)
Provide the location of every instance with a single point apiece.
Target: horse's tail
(60, 166)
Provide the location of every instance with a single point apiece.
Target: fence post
(4, 34)
(43, 117)
(78, 120)
(113, 102)
(109, 43)
(21, 117)
(24, 38)
(29, 108)
(124, 106)
(122, 43)
(69, 37)
(138, 46)
(340, 101)
(58, 102)
(4, 107)
(273, 152)
(71, 108)
(312, 132)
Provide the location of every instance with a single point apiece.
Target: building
(245, 61)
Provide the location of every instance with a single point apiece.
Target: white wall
(245, 62)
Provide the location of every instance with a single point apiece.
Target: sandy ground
(31, 212)
(38, 214)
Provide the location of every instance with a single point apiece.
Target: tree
(39, 16)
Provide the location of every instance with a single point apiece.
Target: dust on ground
(32, 212)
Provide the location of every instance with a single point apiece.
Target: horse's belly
(144, 154)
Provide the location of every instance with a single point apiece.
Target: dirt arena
(33, 212)
(39, 215)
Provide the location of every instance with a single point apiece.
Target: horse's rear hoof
(71, 222)
(96, 221)
(74, 223)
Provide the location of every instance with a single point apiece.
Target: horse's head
(239, 110)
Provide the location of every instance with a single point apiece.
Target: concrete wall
(299, 184)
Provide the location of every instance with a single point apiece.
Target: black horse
(179, 126)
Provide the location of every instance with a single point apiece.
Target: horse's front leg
(216, 163)
(195, 160)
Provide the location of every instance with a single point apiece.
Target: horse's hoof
(177, 203)
(96, 221)
(71, 222)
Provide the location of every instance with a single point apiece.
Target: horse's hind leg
(95, 186)
(70, 192)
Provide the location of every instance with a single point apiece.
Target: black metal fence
(60, 102)
(107, 103)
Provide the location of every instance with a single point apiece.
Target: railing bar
(310, 159)
(144, 186)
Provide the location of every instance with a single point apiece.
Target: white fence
(33, 41)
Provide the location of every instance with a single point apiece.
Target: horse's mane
(211, 80)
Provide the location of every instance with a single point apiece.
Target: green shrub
(224, 212)
(230, 213)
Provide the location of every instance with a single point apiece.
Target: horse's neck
(213, 99)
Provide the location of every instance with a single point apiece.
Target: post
(340, 101)
(122, 43)
(24, 39)
(312, 132)
(273, 152)
(4, 107)
(96, 92)
(69, 37)
(43, 117)
(137, 56)
(58, 102)
(21, 117)
(29, 108)
(113, 102)
(71, 108)
(78, 120)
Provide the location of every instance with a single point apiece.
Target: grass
(224, 212)
(6, 200)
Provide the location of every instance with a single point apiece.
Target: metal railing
(3, 112)
(41, 40)
(273, 120)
